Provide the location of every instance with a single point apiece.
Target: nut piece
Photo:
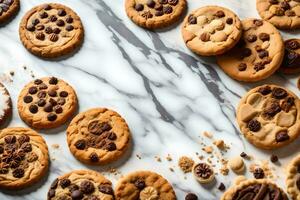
(149, 193)
(237, 165)
(203, 172)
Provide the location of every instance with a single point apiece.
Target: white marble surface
(167, 94)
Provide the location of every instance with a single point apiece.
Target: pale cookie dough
(293, 178)
(98, 136)
(8, 9)
(144, 185)
(24, 158)
(237, 165)
(5, 105)
(291, 60)
(258, 54)
(211, 30)
(268, 116)
(81, 184)
(203, 173)
(154, 14)
(51, 30)
(255, 190)
(284, 14)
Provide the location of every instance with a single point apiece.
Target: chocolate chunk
(51, 193)
(112, 136)
(221, 187)
(150, 3)
(64, 183)
(10, 139)
(273, 1)
(279, 93)
(287, 104)
(111, 146)
(298, 168)
(41, 94)
(264, 36)
(47, 7)
(229, 21)
(258, 173)
(53, 37)
(69, 19)
(32, 90)
(106, 189)
(61, 101)
(258, 22)
(54, 184)
(38, 81)
(140, 184)
(254, 125)
(53, 102)
(87, 187)
(203, 170)
(245, 52)
(242, 66)
(35, 21)
(291, 59)
(18, 173)
(33, 109)
(70, 28)
(173, 2)
(53, 81)
(243, 155)
(292, 45)
(30, 27)
(205, 37)
(51, 117)
(58, 109)
(31, 157)
(76, 195)
(14, 164)
(167, 9)
(139, 7)
(48, 107)
(97, 127)
(43, 15)
(27, 99)
(52, 93)
(41, 102)
(220, 14)
(53, 18)
(192, 19)
(60, 22)
(285, 5)
(263, 53)
(191, 196)
(251, 38)
(147, 15)
(80, 144)
(43, 86)
(273, 158)
(1, 148)
(265, 90)
(94, 157)
(26, 147)
(271, 109)
(282, 136)
(61, 12)
(40, 36)
(259, 66)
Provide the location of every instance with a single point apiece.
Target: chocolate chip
(173, 2)
(1, 148)
(140, 184)
(69, 28)
(279, 93)
(191, 196)
(265, 90)
(282, 136)
(43, 86)
(27, 99)
(259, 66)
(76, 195)
(251, 38)
(263, 53)
(264, 36)
(167, 9)
(53, 102)
(292, 45)
(158, 7)
(273, 158)
(87, 187)
(258, 173)
(38, 81)
(35, 21)
(53, 81)
(52, 93)
(221, 187)
(61, 101)
(54, 184)
(147, 15)
(287, 104)
(53, 37)
(33, 109)
(47, 7)
(51, 117)
(285, 5)
(18, 173)
(245, 52)
(229, 20)
(97, 127)
(111, 146)
(192, 19)
(243, 155)
(10, 139)
(60, 22)
(58, 109)
(106, 189)
(41, 102)
(41, 94)
(40, 36)
(14, 164)
(51, 193)
(205, 37)
(43, 15)
(150, 3)
(254, 125)
(61, 12)
(48, 107)
(80, 144)
(94, 157)
(242, 66)
(30, 27)
(64, 183)
(32, 90)
(203, 170)
(273, 1)
(26, 147)
(258, 22)
(271, 109)
(112, 136)
(53, 18)
(220, 14)
(69, 19)
(139, 7)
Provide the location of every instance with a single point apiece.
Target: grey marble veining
(167, 94)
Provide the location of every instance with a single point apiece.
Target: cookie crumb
(274, 158)
(55, 146)
(208, 134)
(158, 159)
(191, 196)
(208, 149)
(221, 187)
(171, 169)
(12, 73)
(224, 170)
(186, 164)
(169, 158)
(220, 144)
(138, 156)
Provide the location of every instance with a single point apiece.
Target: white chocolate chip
(284, 119)
(219, 36)
(247, 112)
(201, 20)
(217, 24)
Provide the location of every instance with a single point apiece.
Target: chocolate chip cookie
(24, 158)
(268, 116)
(284, 14)
(255, 189)
(5, 105)
(293, 178)
(8, 9)
(211, 30)
(98, 136)
(258, 54)
(81, 184)
(51, 30)
(47, 103)
(144, 185)
(154, 14)
(291, 60)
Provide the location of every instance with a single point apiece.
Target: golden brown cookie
(98, 136)
(51, 30)
(81, 184)
(5, 105)
(293, 178)
(47, 103)
(144, 185)
(154, 14)
(291, 60)
(24, 158)
(8, 9)
(284, 14)
(258, 54)
(268, 116)
(255, 189)
(203, 173)
(211, 30)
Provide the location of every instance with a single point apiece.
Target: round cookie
(6, 105)
(51, 30)
(255, 189)
(24, 158)
(268, 116)
(211, 30)
(258, 54)
(81, 184)
(154, 14)
(47, 103)
(98, 136)
(291, 60)
(144, 185)
(284, 14)
(8, 8)
(293, 178)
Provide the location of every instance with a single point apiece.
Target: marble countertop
(168, 95)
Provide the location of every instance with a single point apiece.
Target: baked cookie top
(51, 30)
(98, 136)
(211, 30)
(284, 14)
(5, 104)
(8, 8)
(47, 103)
(144, 185)
(23, 157)
(258, 54)
(293, 178)
(268, 116)
(154, 14)
(255, 189)
(291, 60)
(81, 184)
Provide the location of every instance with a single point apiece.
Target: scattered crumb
(224, 170)
(208, 134)
(171, 169)
(208, 149)
(12, 73)
(138, 156)
(158, 159)
(55, 146)
(186, 164)
(219, 143)
(169, 158)
(24, 67)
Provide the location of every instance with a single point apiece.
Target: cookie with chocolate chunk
(5, 105)
(98, 136)
(81, 184)
(24, 158)
(51, 30)
(291, 60)
(8, 9)
(211, 30)
(268, 116)
(47, 103)
(154, 14)
(293, 178)
(284, 14)
(144, 185)
(255, 189)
